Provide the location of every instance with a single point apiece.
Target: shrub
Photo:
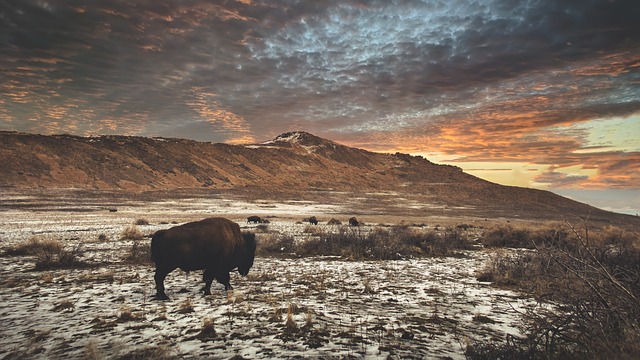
(522, 238)
(507, 237)
(276, 244)
(63, 259)
(355, 243)
(313, 230)
(464, 227)
(139, 253)
(396, 243)
(142, 222)
(595, 279)
(511, 269)
(131, 233)
(34, 246)
(49, 253)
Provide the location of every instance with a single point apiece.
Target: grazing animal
(254, 219)
(353, 221)
(215, 245)
(313, 220)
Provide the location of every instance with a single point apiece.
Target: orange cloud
(616, 65)
(210, 110)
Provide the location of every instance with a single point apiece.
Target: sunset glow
(541, 94)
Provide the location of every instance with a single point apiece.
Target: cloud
(560, 180)
(495, 80)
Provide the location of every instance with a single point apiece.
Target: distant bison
(214, 245)
(353, 221)
(254, 219)
(313, 220)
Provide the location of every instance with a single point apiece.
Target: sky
(536, 93)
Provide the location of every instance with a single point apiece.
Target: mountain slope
(292, 162)
(135, 163)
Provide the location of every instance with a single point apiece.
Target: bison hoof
(207, 292)
(161, 297)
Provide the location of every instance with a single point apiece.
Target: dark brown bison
(313, 220)
(254, 219)
(353, 221)
(214, 245)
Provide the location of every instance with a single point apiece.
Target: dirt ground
(321, 307)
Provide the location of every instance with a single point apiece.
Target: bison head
(245, 262)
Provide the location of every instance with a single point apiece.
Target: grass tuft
(131, 233)
(142, 222)
(208, 331)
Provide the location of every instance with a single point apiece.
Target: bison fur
(215, 245)
(254, 219)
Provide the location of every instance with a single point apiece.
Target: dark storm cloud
(460, 75)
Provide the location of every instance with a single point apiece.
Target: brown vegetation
(131, 233)
(139, 253)
(593, 277)
(397, 242)
(49, 253)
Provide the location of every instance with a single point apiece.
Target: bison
(353, 221)
(214, 245)
(313, 220)
(254, 219)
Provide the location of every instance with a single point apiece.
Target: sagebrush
(593, 278)
(397, 242)
(49, 253)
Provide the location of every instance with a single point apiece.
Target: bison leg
(208, 279)
(224, 279)
(159, 278)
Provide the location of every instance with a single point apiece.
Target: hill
(294, 164)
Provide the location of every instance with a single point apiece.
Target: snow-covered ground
(303, 307)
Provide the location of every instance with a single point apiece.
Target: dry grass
(142, 222)
(313, 230)
(34, 246)
(290, 325)
(139, 253)
(151, 352)
(64, 306)
(397, 242)
(525, 238)
(186, 307)
(50, 253)
(131, 233)
(276, 244)
(208, 331)
(594, 275)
